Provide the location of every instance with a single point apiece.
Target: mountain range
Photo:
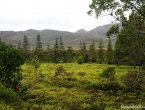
(48, 36)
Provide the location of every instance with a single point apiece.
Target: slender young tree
(61, 48)
(84, 49)
(100, 53)
(85, 53)
(81, 48)
(56, 46)
(92, 52)
(69, 54)
(56, 56)
(109, 52)
(39, 48)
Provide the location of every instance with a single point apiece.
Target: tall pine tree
(92, 52)
(26, 46)
(100, 53)
(81, 48)
(109, 52)
(61, 48)
(85, 53)
(56, 58)
(38, 44)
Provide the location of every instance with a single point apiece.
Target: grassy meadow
(74, 91)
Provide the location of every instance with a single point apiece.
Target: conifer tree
(100, 53)
(56, 46)
(109, 52)
(39, 49)
(56, 58)
(84, 48)
(38, 44)
(70, 54)
(25, 46)
(85, 54)
(61, 47)
(92, 52)
(81, 48)
(25, 43)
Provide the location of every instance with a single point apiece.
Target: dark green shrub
(10, 67)
(80, 60)
(36, 62)
(108, 73)
(9, 97)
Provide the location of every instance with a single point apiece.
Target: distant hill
(49, 36)
(81, 31)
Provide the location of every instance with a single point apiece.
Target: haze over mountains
(49, 36)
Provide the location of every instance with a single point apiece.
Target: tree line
(58, 53)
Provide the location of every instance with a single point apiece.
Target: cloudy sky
(64, 15)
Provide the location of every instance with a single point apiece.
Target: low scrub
(134, 80)
(65, 82)
(106, 86)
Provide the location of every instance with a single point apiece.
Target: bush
(80, 60)
(134, 80)
(60, 71)
(10, 66)
(108, 73)
(9, 97)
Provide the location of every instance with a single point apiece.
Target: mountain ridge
(49, 36)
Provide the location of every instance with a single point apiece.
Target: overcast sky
(64, 15)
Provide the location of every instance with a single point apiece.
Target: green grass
(92, 70)
(49, 95)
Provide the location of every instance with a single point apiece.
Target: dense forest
(90, 78)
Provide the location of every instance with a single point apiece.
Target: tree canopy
(10, 70)
(118, 9)
(130, 45)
